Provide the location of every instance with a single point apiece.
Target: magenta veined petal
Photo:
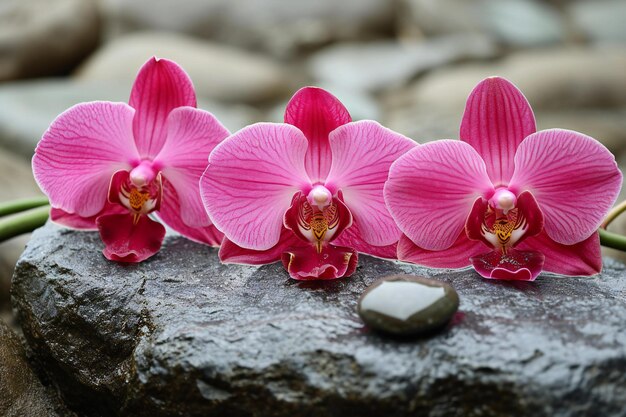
(305, 263)
(170, 211)
(250, 181)
(160, 87)
(316, 113)
(192, 135)
(231, 253)
(574, 179)
(127, 241)
(80, 151)
(456, 256)
(75, 221)
(362, 153)
(516, 265)
(352, 238)
(431, 190)
(497, 118)
(581, 259)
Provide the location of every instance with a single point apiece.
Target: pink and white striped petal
(574, 179)
(362, 153)
(80, 152)
(192, 135)
(161, 86)
(497, 118)
(250, 181)
(431, 190)
(316, 113)
(581, 259)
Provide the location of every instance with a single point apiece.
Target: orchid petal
(304, 263)
(127, 241)
(431, 190)
(497, 118)
(161, 86)
(581, 259)
(231, 253)
(362, 153)
(74, 221)
(352, 238)
(80, 151)
(170, 213)
(192, 135)
(456, 256)
(574, 179)
(316, 113)
(250, 181)
(514, 266)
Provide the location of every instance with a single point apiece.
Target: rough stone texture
(45, 37)
(183, 335)
(21, 393)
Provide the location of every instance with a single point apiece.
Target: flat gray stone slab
(182, 335)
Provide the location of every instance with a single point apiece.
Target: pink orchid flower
(110, 165)
(308, 192)
(535, 199)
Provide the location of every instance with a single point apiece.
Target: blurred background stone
(274, 26)
(217, 71)
(45, 37)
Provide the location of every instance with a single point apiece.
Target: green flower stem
(23, 223)
(612, 240)
(15, 206)
(613, 214)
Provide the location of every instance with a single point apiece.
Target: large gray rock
(21, 393)
(45, 37)
(183, 335)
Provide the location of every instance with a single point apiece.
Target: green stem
(23, 223)
(15, 206)
(612, 240)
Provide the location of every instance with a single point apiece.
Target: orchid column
(110, 165)
(309, 191)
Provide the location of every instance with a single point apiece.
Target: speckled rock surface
(183, 335)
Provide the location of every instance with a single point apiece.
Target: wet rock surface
(183, 335)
